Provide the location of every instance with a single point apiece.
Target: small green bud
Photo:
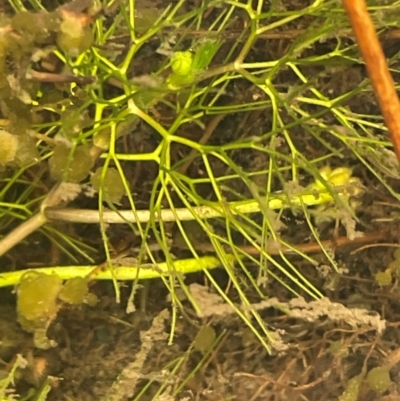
(181, 63)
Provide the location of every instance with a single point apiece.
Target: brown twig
(312, 247)
(378, 70)
(38, 76)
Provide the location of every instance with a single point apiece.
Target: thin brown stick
(307, 248)
(378, 70)
(59, 78)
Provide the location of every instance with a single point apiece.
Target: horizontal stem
(126, 273)
(181, 214)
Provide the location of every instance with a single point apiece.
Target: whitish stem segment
(339, 179)
(183, 214)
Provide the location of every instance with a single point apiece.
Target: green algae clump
(37, 304)
(205, 339)
(39, 298)
(27, 152)
(112, 185)
(75, 291)
(378, 379)
(73, 38)
(70, 165)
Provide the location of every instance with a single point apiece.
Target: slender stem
(377, 67)
(125, 272)
(22, 231)
(181, 214)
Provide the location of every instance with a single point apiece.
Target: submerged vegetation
(230, 150)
